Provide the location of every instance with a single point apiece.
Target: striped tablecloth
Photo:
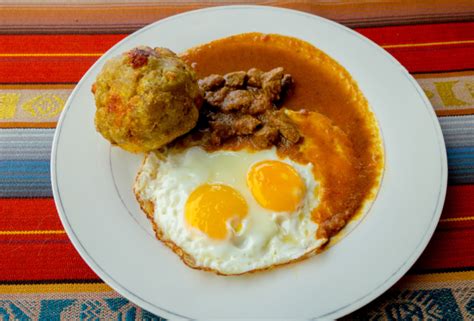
(41, 274)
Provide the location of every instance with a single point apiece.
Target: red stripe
(37, 257)
(427, 59)
(451, 245)
(449, 248)
(44, 69)
(19, 214)
(434, 59)
(58, 43)
(420, 33)
(459, 202)
(43, 261)
(59, 69)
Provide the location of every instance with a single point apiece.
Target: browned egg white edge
(148, 208)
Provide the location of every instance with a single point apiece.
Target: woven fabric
(43, 278)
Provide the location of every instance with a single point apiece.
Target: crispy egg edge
(148, 208)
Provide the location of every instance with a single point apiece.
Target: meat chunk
(235, 79)
(254, 77)
(215, 98)
(246, 125)
(233, 124)
(272, 75)
(237, 100)
(271, 83)
(211, 82)
(224, 126)
(260, 104)
(254, 90)
(244, 104)
(265, 137)
(283, 123)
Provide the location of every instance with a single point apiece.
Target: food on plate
(236, 211)
(336, 106)
(213, 211)
(245, 103)
(244, 106)
(145, 98)
(282, 154)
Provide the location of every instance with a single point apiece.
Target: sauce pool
(323, 86)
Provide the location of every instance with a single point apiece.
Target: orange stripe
(429, 44)
(38, 232)
(457, 219)
(454, 112)
(444, 74)
(37, 86)
(28, 125)
(438, 277)
(51, 54)
(54, 287)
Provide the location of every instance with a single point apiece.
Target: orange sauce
(323, 86)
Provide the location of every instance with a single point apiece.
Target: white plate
(92, 188)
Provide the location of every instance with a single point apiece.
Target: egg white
(266, 238)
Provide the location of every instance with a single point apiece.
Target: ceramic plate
(92, 185)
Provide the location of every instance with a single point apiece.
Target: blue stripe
(29, 166)
(31, 192)
(461, 162)
(460, 150)
(21, 183)
(462, 156)
(25, 178)
(461, 171)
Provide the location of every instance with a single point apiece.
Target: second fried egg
(232, 211)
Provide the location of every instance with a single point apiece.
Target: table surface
(42, 57)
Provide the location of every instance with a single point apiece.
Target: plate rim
(341, 311)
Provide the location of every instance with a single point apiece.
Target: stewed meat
(237, 100)
(211, 82)
(265, 137)
(246, 104)
(235, 79)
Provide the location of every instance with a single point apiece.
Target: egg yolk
(276, 185)
(214, 208)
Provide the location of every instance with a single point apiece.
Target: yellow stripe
(439, 277)
(428, 44)
(49, 288)
(450, 74)
(457, 219)
(36, 86)
(38, 232)
(68, 54)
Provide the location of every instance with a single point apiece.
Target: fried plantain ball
(145, 98)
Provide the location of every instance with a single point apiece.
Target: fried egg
(231, 212)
